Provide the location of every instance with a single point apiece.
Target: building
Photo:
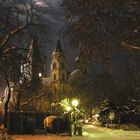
(58, 72)
(33, 67)
(55, 86)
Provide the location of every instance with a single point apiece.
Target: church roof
(35, 50)
(75, 75)
(58, 47)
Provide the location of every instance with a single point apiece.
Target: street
(90, 133)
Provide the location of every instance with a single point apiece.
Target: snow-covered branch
(11, 33)
(33, 99)
(130, 46)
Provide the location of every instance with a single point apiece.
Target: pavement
(90, 133)
(47, 137)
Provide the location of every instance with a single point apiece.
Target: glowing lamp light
(74, 102)
(68, 108)
(40, 74)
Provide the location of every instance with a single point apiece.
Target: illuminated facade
(32, 67)
(58, 72)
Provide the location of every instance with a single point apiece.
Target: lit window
(63, 76)
(54, 65)
(40, 74)
(54, 77)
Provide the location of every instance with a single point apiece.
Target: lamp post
(74, 104)
(68, 109)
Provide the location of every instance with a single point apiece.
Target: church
(35, 79)
(33, 69)
(57, 79)
(58, 71)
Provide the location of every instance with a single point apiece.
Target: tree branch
(33, 99)
(11, 33)
(130, 46)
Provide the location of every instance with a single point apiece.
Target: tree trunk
(17, 108)
(7, 102)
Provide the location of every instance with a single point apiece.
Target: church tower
(32, 68)
(58, 72)
(37, 62)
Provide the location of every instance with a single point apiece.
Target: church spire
(58, 47)
(58, 72)
(36, 54)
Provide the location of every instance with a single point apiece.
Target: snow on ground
(90, 133)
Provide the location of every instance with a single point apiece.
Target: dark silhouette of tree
(100, 30)
(103, 25)
(18, 19)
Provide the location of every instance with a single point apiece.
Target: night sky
(55, 17)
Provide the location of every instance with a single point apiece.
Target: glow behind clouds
(41, 4)
(46, 3)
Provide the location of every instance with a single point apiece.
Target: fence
(27, 122)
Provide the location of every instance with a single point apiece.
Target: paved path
(48, 137)
(90, 133)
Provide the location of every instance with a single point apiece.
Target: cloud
(41, 4)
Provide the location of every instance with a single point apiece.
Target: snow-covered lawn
(110, 134)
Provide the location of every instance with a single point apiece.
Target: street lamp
(75, 102)
(69, 108)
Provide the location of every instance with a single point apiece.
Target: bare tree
(17, 18)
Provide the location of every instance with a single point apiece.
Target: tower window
(54, 65)
(54, 77)
(63, 76)
(62, 65)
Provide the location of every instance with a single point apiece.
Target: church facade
(58, 72)
(33, 69)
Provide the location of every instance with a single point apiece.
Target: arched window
(54, 77)
(54, 66)
(63, 76)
